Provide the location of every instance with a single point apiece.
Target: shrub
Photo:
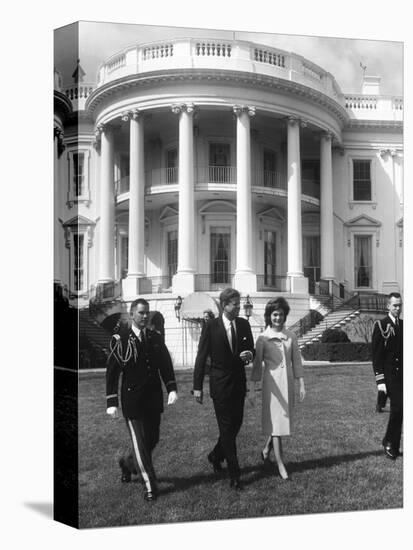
(334, 335)
(337, 352)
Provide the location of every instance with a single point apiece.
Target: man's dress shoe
(216, 464)
(236, 484)
(390, 452)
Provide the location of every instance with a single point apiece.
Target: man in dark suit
(228, 341)
(387, 352)
(140, 354)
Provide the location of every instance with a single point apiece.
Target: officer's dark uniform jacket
(141, 365)
(387, 349)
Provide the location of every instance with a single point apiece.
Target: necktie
(142, 337)
(233, 338)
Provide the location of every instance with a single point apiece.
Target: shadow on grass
(252, 474)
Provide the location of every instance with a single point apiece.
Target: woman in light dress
(277, 348)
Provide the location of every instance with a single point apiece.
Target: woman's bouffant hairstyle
(272, 305)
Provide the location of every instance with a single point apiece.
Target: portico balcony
(220, 175)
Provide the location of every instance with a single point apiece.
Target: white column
(326, 208)
(184, 280)
(57, 242)
(298, 283)
(136, 238)
(107, 208)
(245, 279)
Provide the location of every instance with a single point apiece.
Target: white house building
(189, 165)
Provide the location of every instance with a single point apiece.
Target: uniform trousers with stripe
(394, 384)
(144, 434)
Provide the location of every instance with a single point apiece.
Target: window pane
(124, 256)
(361, 180)
(78, 241)
(220, 250)
(219, 162)
(269, 168)
(78, 173)
(172, 253)
(269, 258)
(363, 260)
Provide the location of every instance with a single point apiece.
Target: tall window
(172, 253)
(361, 180)
(363, 261)
(311, 260)
(220, 254)
(78, 174)
(78, 269)
(269, 258)
(270, 163)
(219, 162)
(172, 165)
(124, 241)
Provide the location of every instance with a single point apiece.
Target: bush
(334, 335)
(337, 352)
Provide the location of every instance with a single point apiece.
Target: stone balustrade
(236, 55)
(221, 55)
(78, 94)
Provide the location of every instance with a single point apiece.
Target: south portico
(242, 193)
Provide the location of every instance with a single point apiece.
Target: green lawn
(334, 457)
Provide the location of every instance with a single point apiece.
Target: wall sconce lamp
(177, 307)
(248, 306)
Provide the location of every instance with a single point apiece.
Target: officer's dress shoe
(236, 484)
(216, 464)
(390, 452)
(150, 496)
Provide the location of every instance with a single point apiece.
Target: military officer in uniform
(387, 353)
(140, 354)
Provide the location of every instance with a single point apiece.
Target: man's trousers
(144, 434)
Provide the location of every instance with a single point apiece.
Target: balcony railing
(104, 292)
(310, 188)
(157, 284)
(271, 283)
(217, 281)
(217, 175)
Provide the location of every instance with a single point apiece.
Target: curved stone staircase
(334, 319)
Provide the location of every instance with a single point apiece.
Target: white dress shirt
(227, 325)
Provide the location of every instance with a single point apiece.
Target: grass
(334, 457)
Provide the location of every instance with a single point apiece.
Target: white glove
(172, 398)
(382, 387)
(112, 411)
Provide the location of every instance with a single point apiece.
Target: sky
(339, 56)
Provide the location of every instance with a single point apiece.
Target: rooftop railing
(186, 53)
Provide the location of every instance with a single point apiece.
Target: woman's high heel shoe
(283, 473)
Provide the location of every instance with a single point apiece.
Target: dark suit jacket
(387, 348)
(227, 374)
(142, 367)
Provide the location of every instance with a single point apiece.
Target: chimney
(371, 85)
